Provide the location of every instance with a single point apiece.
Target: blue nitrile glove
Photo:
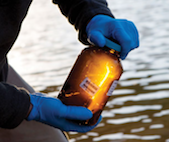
(123, 31)
(53, 112)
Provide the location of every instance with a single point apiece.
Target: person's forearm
(14, 105)
(80, 12)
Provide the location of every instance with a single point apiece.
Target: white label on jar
(88, 86)
(113, 86)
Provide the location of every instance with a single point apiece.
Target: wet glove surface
(53, 112)
(121, 30)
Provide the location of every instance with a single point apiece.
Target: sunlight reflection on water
(126, 136)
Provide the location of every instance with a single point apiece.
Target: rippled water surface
(138, 111)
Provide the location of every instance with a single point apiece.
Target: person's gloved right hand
(123, 31)
(53, 112)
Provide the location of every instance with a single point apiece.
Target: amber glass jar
(92, 79)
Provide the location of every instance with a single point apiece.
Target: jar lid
(113, 45)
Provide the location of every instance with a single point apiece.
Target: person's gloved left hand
(121, 30)
(53, 112)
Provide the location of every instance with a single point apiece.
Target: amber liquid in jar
(92, 80)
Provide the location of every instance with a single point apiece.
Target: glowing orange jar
(92, 79)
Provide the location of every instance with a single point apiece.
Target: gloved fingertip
(123, 56)
(87, 114)
(100, 119)
(89, 128)
(90, 114)
(78, 113)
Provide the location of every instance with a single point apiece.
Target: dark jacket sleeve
(14, 105)
(79, 13)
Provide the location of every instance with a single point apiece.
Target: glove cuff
(34, 114)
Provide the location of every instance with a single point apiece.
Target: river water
(138, 111)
